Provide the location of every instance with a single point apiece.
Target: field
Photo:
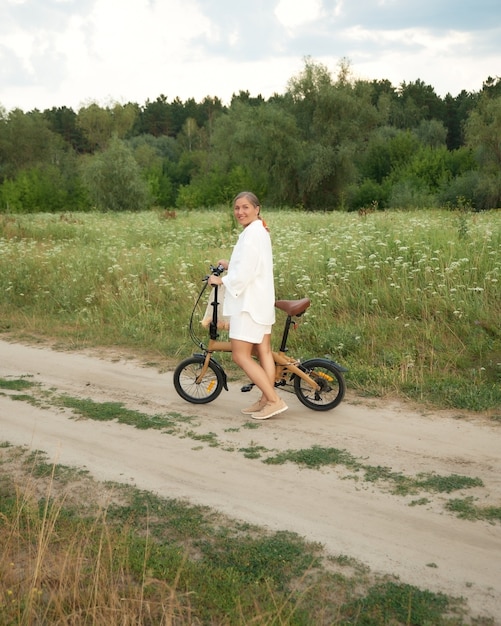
(122, 504)
(408, 301)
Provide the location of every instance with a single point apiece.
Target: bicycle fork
(214, 346)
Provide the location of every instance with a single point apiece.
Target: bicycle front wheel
(331, 381)
(204, 391)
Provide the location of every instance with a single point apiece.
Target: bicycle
(318, 383)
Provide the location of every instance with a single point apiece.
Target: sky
(72, 53)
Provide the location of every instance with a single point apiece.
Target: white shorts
(244, 328)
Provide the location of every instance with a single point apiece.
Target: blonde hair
(254, 200)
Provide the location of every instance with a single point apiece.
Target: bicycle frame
(283, 363)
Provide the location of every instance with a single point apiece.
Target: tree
(483, 136)
(304, 92)
(264, 141)
(96, 124)
(483, 132)
(113, 179)
(210, 109)
(26, 140)
(37, 166)
(156, 118)
(416, 102)
(124, 117)
(63, 121)
(158, 159)
(336, 119)
(42, 188)
(431, 133)
(457, 111)
(244, 97)
(388, 150)
(492, 87)
(100, 124)
(190, 135)
(180, 111)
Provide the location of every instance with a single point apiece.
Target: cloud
(70, 52)
(295, 13)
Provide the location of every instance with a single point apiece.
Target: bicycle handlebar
(215, 271)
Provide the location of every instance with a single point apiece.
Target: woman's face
(245, 212)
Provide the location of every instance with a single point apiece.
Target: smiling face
(245, 211)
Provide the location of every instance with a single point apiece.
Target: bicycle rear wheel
(332, 385)
(185, 380)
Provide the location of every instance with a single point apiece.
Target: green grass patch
(397, 603)
(447, 484)
(23, 397)
(16, 384)
(253, 452)
(209, 438)
(420, 502)
(317, 456)
(116, 411)
(466, 509)
(40, 467)
(404, 485)
(314, 457)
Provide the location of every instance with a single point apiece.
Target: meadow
(409, 302)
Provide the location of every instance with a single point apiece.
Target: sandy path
(421, 545)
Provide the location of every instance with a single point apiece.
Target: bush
(411, 194)
(479, 190)
(42, 189)
(366, 194)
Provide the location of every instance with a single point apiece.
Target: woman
(250, 304)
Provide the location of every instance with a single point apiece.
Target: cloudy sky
(73, 52)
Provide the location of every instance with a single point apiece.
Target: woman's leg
(265, 355)
(259, 372)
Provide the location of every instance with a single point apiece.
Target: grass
(79, 552)
(466, 509)
(15, 384)
(108, 411)
(408, 301)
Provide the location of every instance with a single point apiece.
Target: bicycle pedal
(247, 387)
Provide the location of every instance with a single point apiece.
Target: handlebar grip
(216, 271)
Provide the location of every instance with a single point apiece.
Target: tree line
(327, 143)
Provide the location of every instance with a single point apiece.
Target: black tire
(330, 379)
(186, 374)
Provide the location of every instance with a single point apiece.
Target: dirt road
(424, 544)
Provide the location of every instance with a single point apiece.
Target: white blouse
(249, 284)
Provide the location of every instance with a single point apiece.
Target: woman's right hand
(223, 263)
(214, 280)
